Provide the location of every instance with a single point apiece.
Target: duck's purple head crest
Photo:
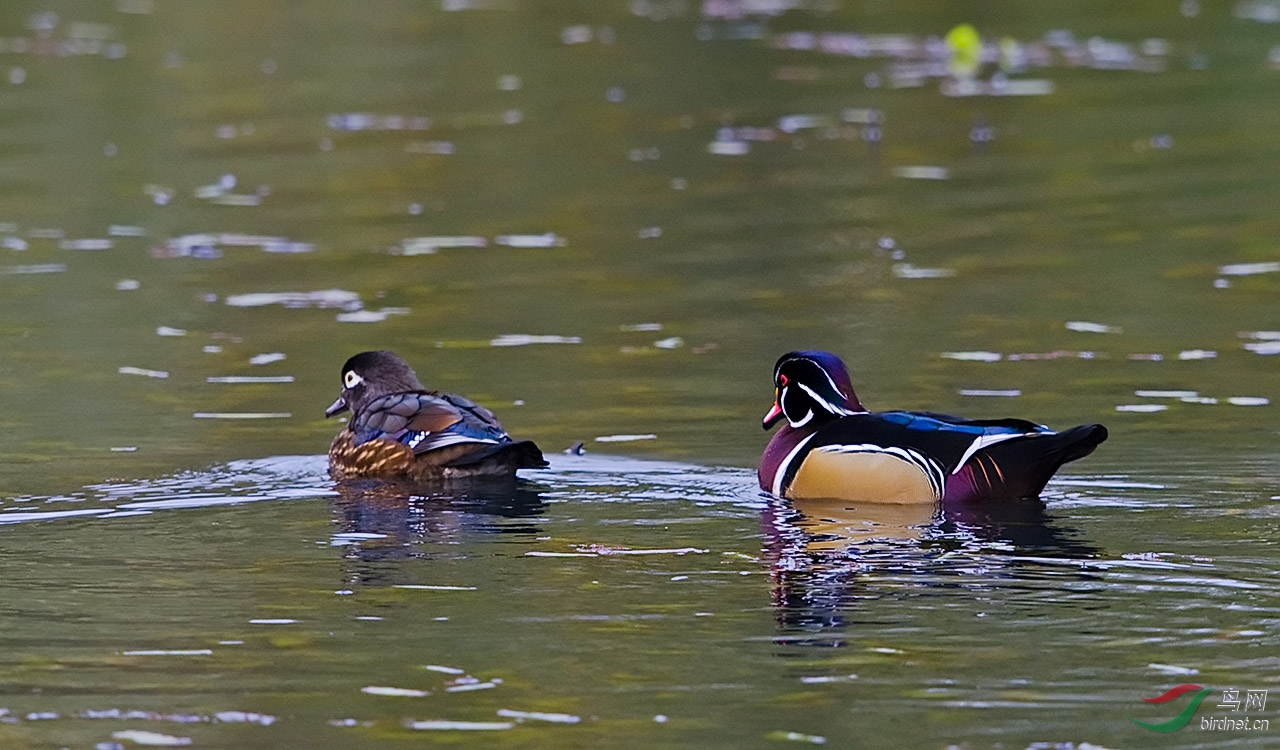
(811, 385)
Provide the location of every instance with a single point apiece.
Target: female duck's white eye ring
(351, 379)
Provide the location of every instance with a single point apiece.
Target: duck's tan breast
(861, 477)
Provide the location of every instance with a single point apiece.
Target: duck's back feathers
(428, 436)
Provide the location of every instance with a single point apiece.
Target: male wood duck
(400, 429)
(832, 447)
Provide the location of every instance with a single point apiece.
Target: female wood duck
(400, 429)
(832, 447)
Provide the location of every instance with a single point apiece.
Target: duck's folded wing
(945, 444)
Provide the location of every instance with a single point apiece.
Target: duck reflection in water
(382, 524)
(827, 557)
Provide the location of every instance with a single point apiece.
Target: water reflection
(383, 523)
(827, 557)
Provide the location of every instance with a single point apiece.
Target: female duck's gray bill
(337, 407)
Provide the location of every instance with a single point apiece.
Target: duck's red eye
(783, 379)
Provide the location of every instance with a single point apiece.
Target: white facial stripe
(801, 422)
(825, 403)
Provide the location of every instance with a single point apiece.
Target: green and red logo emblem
(1183, 718)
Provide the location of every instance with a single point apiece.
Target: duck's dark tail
(1020, 467)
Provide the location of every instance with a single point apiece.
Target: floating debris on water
(922, 173)
(675, 342)
(371, 316)
(178, 652)
(550, 239)
(467, 687)
(537, 553)
(273, 621)
(338, 540)
(126, 230)
(86, 244)
(464, 726)
(124, 448)
(578, 34)
(266, 359)
(129, 370)
(1194, 354)
(1057, 354)
(794, 123)
(1261, 11)
(325, 298)
(167, 331)
(1141, 408)
(432, 587)
(973, 356)
(638, 327)
(1173, 669)
(242, 415)
(153, 739)
(605, 550)
(1082, 326)
(982, 392)
(1263, 347)
(160, 195)
(525, 339)
(1207, 400)
(729, 148)
(127, 285)
(999, 86)
(508, 713)
(438, 148)
(908, 271)
(1146, 357)
(244, 717)
(430, 245)
(1165, 394)
(625, 438)
(1248, 401)
(443, 669)
(208, 246)
(242, 379)
(34, 268)
(356, 121)
(828, 678)
(394, 691)
(1248, 269)
(812, 739)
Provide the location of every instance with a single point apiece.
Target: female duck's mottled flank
(399, 428)
(832, 447)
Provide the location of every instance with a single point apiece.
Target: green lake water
(607, 220)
